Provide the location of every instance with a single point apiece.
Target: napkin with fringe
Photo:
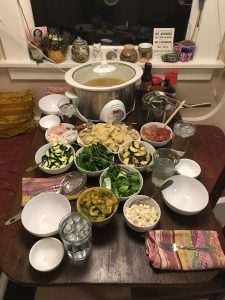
(185, 260)
(31, 187)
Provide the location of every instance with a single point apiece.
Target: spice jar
(129, 54)
(80, 50)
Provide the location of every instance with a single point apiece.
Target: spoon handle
(164, 186)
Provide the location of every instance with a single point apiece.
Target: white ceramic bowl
(186, 195)
(149, 148)
(188, 167)
(38, 158)
(155, 143)
(49, 121)
(129, 168)
(46, 254)
(42, 214)
(145, 200)
(88, 173)
(49, 104)
(62, 137)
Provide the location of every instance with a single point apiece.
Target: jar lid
(79, 41)
(156, 80)
(129, 47)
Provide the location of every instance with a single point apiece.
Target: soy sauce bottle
(146, 79)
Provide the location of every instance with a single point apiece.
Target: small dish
(148, 130)
(61, 133)
(188, 167)
(46, 254)
(49, 104)
(42, 151)
(49, 121)
(139, 216)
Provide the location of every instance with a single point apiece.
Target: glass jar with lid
(129, 54)
(80, 50)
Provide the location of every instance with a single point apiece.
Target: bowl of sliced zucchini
(55, 158)
(137, 154)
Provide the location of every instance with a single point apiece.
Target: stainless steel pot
(98, 101)
(158, 106)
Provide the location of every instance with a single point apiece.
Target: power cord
(28, 42)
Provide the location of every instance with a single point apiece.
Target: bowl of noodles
(108, 134)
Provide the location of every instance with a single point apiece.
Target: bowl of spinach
(93, 159)
(123, 180)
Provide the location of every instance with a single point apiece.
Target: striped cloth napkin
(31, 186)
(184, 259)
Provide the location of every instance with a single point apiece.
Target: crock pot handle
(71, 95)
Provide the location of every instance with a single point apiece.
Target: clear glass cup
(75, 231)
(164, 162)
(67, 110)
(182, 133)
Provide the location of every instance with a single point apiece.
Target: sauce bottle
(146, 79)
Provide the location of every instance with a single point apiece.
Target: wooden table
(118, 254)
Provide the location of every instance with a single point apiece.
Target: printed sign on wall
(163, 41)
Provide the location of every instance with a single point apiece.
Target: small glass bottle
(146, 79)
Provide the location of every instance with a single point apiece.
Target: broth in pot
(104, 82)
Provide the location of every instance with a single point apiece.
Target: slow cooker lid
(103, 74)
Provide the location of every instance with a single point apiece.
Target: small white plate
(188, 167)
(46, 254)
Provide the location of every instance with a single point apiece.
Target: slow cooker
(103, 91)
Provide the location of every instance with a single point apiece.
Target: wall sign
(162, 41)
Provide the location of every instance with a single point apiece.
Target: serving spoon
(71, 183)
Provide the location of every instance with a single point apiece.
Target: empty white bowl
(41, 152)
(153, 142)
(49, 104)
(188, 167)
(42, 214)
(46, 254)
(186, 195)
(144, 200)
(49, 121)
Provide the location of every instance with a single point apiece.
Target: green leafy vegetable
(94, 158)
(123, 182)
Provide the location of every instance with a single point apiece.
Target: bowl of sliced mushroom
(137, 154)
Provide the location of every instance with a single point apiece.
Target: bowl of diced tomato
(156, 133)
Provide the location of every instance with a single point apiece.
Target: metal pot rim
(69, 77)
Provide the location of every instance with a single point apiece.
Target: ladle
(71, 183)
(165, 185)
(165, 95)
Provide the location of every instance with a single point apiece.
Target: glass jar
(80, 50)
(129, 54)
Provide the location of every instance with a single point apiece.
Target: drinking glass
(164, 162)
(75, 231)
(182, 134)
(67, 110)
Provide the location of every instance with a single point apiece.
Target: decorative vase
(58, 56)
(186, 50)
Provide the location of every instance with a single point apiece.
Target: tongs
(166, 96)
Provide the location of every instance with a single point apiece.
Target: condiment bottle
(157, 83)
(146, 79)
(129, 54)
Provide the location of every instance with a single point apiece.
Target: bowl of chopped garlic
(141, 213)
